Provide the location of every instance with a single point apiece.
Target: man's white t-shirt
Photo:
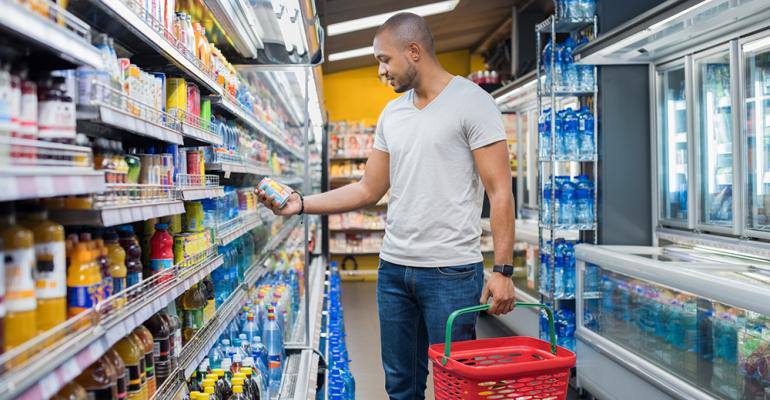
(434, 211)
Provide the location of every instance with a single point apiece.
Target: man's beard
(410, 77)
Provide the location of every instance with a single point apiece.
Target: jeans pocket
(458, 271)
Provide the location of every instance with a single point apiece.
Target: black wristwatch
(506, 270)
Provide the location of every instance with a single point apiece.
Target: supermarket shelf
(251, 120)
(115, 118)
(45, 372)
(72, 45)
(203, 192)
(289, 180)
(245, 225)
(203, 135)
(565, 227)
(356, 230)
(348, 158)
(561, 26)
(239, 168)
(110, 216)
(20, 183)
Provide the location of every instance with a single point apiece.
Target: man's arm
(369, 190)
(495, 171)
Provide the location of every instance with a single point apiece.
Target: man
(434, 147)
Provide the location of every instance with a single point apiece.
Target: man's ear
(415, 52)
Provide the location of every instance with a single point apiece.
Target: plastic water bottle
(567, 204)
(560, 145)
(584, 199)
(585, 72)
(571, 126)
(250, 328)
(274, 340)
(216, 355)
(570, 78)
(568, 264)
(544, 134)
(585, 134)
(559, 268)
(547, 65)
(587, 9)
(274, 379)
(556, 74)
(547, 209)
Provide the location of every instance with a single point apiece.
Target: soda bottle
(120, 369)
(146, 339)
(130, 244)
(161, 253)
(100, 380)
(71, 391)
(131, 351)
(161, 333)
(20, 300)
(193, 303)
(116, 256)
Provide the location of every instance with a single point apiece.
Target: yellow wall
(477, 63)
(358, 94)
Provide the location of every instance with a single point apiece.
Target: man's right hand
(292, 206)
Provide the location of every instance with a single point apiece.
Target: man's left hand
(500, 288)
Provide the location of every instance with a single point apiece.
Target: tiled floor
(363, 340)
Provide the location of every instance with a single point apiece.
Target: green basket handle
(484, 307)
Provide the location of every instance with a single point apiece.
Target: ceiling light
(364, 51)
(377, 20)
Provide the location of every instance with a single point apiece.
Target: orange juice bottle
(120, 368)
(117, 260)
(50, 254)
(20, 302)
(71, 391)
(82, 281)
(132, 353)
(146, 338)
(104, 266)
(100, 380)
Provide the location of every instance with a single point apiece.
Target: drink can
(193, 162)
(273, 188)
(176, 97)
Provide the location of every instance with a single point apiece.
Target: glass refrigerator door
(756, 59)
(673, 145)
(716, 139)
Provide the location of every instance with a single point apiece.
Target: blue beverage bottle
(584, 201)
(547, 64)
(567, 204)
(559, 250)
(274, 340)
(585, 134)
(216, 355)
(547, 209)
(571, 126)
(568, 264)
(560, 144)
(586, 72)
(570, 78)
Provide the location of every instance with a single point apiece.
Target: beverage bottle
(259, 353)
(103, 263)
(216, 355)
(20, 300)
(116, 256)
(175, 322)
(50, 266)
(584, 201)
(71, 391)
(82, 281)
(557, 75)
(147, 341)
(113, 357)
(567, 203)
(570, 78)
(547, 57)
(274, 378)
(161, 253)
(568, 263)
(100, 380)
(222, 379)
(130, 244)
(97, 291)
(245, 344)
(571, 126)
(193, 303)
(586, 134)
(251, 328)
(161, 337)
(559, 268)
(256, 381)
(547, 209)
(131, 351)
(587, 9)
(273, 339)
(210, 309)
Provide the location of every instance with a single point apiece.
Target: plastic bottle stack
(341, 385)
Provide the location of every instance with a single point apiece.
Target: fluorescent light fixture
(514, 92)
(657, 25)
(364, 51)
(377, 20)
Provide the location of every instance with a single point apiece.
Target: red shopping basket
(518, 368)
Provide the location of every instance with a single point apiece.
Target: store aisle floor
(359, 302)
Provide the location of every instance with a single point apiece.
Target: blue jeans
(414, 304)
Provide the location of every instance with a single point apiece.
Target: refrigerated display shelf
(198, 193)
(245, 224)
(42, 374)
(20, 183)
(117, 215)
(251, 120)
(203, 135)
(229, 167)
(69, 40)
(114, 117)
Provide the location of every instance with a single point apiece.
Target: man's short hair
(409, 28)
